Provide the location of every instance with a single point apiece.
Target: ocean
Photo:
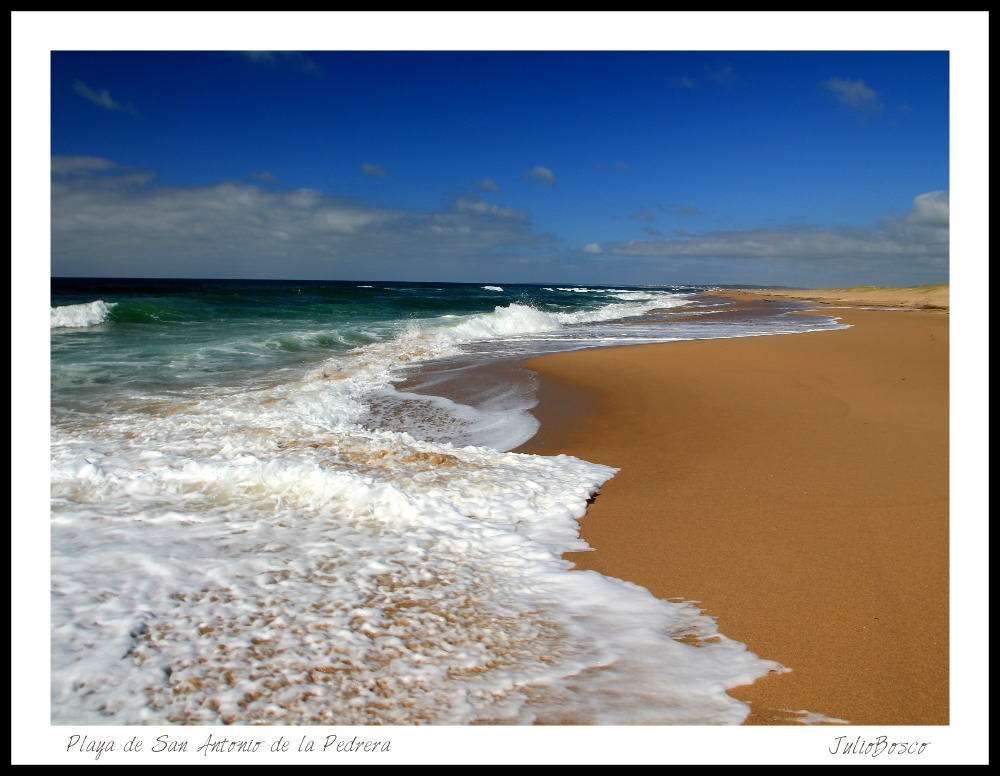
(279, 502)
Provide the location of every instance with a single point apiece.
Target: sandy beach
(796, 486)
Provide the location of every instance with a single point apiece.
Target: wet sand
(796, 486)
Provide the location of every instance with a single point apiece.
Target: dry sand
(934, 297)
(795, 485)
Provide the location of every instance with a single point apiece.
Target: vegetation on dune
(918, 289)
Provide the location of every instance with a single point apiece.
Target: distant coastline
(929, 297)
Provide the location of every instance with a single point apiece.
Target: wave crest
(79, 316)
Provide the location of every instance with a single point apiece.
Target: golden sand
(796, 486)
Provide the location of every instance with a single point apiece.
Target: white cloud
(718, 77)
(592, 248)
(911, 249)
(541, 175)
(485, 184)
(264, 175)
(931, 209)
(854, 94)
(102, 98)
(684, 210)
(723, 75)
(471, 203)
(374, 170)
(78, 165)
(99, 172)
(238, 229)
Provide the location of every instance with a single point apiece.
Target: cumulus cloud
(81, 165)
(541, 175)
(375, 170)
(264, 175)
(723, 75)
(485, 184)
(931, 209)
(717, 76)
(238, 229)
(899, 251)
(684, 210)
(854, 94)
(592, 248)
(102, 97)
(471, 203)
(98, 172)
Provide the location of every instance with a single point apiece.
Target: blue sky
(813, 168)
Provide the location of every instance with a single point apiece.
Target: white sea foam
(80, 315)
(813, 717)
(500, 424)
(371, 366)
(258, 556)
(516, 320)
(492, 288)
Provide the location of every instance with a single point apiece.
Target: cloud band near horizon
(108, 220)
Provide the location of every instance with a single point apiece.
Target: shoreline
(796, 487)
